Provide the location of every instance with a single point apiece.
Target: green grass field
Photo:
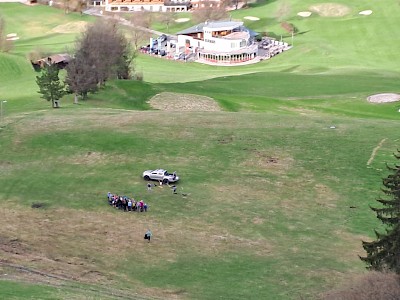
(276, 203)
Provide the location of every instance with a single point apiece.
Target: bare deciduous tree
(102, 53)
(167, 18)
(140, 21)
(289, 27)
(103, 45)
(80, 79)
(6, 44)
(229, 3)
(210, 11)
(283, 11)
(76, 5)
(66, 4)
(2, 34)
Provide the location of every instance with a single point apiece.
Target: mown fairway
(276, 203)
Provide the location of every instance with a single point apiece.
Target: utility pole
(292, 37)
(1, 110)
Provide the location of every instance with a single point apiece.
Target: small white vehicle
(160, 175)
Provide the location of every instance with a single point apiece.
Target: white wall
(222, 45)
(153, 7)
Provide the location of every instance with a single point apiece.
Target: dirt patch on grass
(301, 111)
(71, 27)
(5, 165)
(83, 245)
(183, 102)
(384, 98)
(258, 220)
(50, 240)
(350, 246)
(88, 158)
(330, 9)
(325, 196)
(45, 123)
(276, 163)
(259, 247)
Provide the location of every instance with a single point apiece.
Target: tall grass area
(275, 188)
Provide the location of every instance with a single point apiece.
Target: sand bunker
(330, 9)
(70, 27)
(181, 20)
(12, 37)
(365, 12)
(384, 98)
(304, 14)
(183, 102)
(251, 18)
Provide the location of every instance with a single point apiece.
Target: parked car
(163, 38)
(145, 49)
(179, 56)
(160, 175)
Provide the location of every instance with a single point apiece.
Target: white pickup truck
(160, 175)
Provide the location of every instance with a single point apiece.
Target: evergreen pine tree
(49, 84)
(384, 253)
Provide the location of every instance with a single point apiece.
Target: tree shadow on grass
(287, 35)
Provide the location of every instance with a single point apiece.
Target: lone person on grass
(147, 235)
(149, 186)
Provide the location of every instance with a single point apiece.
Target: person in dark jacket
(148, 235)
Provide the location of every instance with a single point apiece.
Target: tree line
(102, 53)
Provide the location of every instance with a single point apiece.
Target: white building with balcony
(219, 41)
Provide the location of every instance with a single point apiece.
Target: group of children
(126, 204)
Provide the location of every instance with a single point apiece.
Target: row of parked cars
(265, 43)
(159, 47)
(148, 50)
